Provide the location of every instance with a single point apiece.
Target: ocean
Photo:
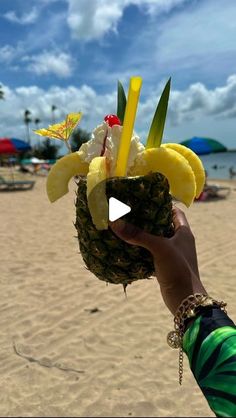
(217, 165)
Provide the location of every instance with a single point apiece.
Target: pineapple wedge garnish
(181, 166)
(172, 160)
(62, 171)
(96, 192)
(194, 162)
(173, 166)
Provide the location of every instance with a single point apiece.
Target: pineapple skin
(108, 257)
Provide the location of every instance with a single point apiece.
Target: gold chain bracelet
(187, 310)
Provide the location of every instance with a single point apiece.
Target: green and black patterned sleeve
(210, 344)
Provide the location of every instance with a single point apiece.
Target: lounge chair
(213, 192)
(8, 185)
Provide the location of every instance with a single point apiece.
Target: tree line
(48, 149)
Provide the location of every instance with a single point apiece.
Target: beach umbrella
(201, 145)
(35, 160)
(13, 146)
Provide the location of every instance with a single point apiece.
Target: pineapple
(104, 254)
(157, 173)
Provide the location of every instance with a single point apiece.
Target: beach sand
(70, 345)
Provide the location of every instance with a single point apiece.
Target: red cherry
(112, 120)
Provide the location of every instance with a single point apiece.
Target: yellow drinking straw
(128, 125)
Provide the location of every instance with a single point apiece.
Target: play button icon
(117, 209)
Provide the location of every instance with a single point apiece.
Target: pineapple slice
(194, 161)
(96, 192)
(173, 166)
(61, 173)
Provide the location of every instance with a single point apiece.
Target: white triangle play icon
(117, 209)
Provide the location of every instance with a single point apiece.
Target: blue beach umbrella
(20, 145)
(201, 145)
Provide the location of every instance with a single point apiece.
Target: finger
(134, 235)
(179, 218)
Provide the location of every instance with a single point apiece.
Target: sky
(71, 53)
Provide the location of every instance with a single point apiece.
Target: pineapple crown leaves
(121, 102)
(158, 122)
(61, 130)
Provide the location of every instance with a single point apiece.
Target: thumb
(135, 235)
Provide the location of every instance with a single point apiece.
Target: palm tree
(1, 93)
(37, 122)
(27, 121)
(53, 108)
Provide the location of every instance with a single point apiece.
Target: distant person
(232, 173)
(202, 328)
(36, 167)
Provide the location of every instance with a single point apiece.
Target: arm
(210, 344)
(210, 340)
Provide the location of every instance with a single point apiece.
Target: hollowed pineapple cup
(108, 257)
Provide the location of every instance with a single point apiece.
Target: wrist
(183, 290)
(189, 309)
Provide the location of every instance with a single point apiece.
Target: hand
(175, 258)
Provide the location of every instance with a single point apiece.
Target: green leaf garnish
(121, 102)
(158, 122)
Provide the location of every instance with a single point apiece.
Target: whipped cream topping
(105, 141)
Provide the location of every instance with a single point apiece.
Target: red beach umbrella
(7, 147)
(12, 146)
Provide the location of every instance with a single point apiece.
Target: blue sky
(70, 53)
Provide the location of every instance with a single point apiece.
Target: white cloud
(157, 6)
(191, 106)
(194, 44)
(93, 19)
(39, 102)
(7, 54)
(26, 18)
(196, 35)
(197, 100)
(195, 110)
(60, 64)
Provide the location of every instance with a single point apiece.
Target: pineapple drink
(114, 163)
